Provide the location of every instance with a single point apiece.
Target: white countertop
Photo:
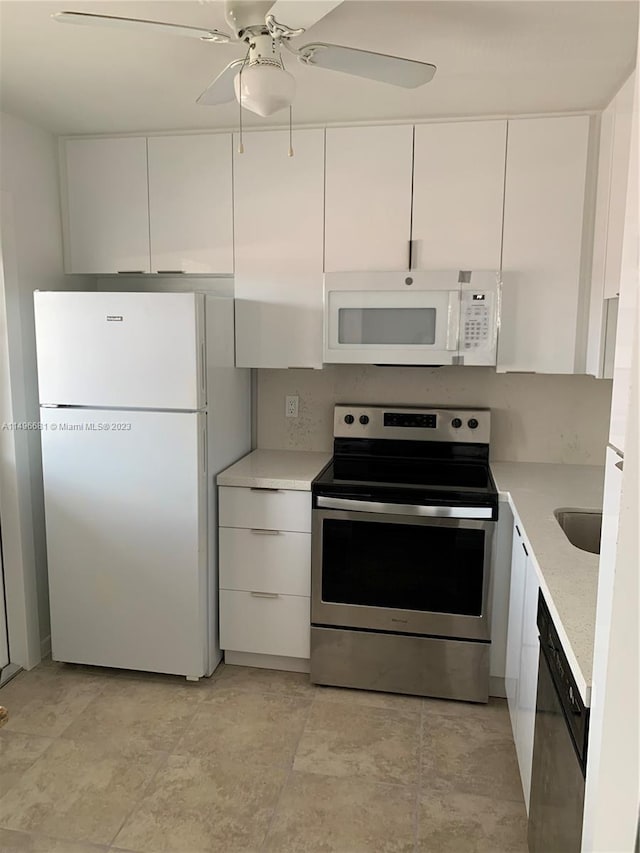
(568, 576)
(275, 469)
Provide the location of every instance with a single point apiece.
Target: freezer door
(138, 350)
(125, 502)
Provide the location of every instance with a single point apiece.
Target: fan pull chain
(290, 151)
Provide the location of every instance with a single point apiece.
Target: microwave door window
(387, 326)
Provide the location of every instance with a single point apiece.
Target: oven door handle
(406, 509)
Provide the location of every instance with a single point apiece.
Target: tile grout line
(53, 739)
(263, 846)
(161, 766)
(98, 845)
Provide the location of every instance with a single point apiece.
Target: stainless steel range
(403, 521)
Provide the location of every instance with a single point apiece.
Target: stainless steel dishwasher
(559, 749)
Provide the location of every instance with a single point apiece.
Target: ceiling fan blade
(220, 90)
(139, 24)
(396, 70)
(302, 13)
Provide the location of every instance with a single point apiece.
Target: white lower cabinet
(265, 561)
(514, 630)
(521, 678)
(264, 623)
(528, 681)
(265, 509)
(265, 572)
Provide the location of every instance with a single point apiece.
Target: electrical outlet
(291, 406)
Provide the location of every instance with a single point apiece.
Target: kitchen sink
(582, 527)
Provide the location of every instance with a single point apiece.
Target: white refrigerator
(129, 495)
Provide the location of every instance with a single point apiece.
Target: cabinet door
(542, 244)
(528, 684)
(514, 630)
(368, 198)
(265, 624)
(501, 581)
(191, 203)
(107, 222)
(596, 337)
(278, 216)
(623, 109)
(458, 189)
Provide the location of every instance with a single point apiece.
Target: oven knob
(364, 420)
(456, 423)
(349, 419)
(472, 423)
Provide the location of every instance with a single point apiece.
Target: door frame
(18, 553)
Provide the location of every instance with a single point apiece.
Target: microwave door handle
(453, 321)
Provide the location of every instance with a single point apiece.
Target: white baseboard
(45, 647)
(496, 687)
(267, 661)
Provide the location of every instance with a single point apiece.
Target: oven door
(402, 573)
(387, 327)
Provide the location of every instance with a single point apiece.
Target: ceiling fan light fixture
(265, 88)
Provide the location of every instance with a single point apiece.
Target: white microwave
(414, 317)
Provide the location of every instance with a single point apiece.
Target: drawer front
(267, 509)
(265, 561)
(268, 626)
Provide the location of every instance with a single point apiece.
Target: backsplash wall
(535, 418)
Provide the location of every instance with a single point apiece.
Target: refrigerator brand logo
(114, 318)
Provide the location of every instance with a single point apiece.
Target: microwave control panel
(478, 336)
(477, 326)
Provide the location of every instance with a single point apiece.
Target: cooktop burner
(418, 456)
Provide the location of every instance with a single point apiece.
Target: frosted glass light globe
(265, 89)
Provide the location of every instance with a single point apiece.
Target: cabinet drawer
(269, 626)
(267, 509)
(265, 561)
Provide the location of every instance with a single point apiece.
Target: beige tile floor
(249, 760)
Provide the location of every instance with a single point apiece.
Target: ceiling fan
(259, 80)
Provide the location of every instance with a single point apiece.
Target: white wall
(29, 181)
(613, 797)
(534, 418)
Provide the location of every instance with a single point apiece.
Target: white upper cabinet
(458, 192)
(162, 204)
(623, 109)
(368, 198)
(107, 212)
(278, 219)
(191, 203)
(543, 244)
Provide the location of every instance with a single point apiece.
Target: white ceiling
(493, 58)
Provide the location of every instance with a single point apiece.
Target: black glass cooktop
(412, 472)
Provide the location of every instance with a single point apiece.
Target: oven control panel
(409, 420)
(471, 426)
